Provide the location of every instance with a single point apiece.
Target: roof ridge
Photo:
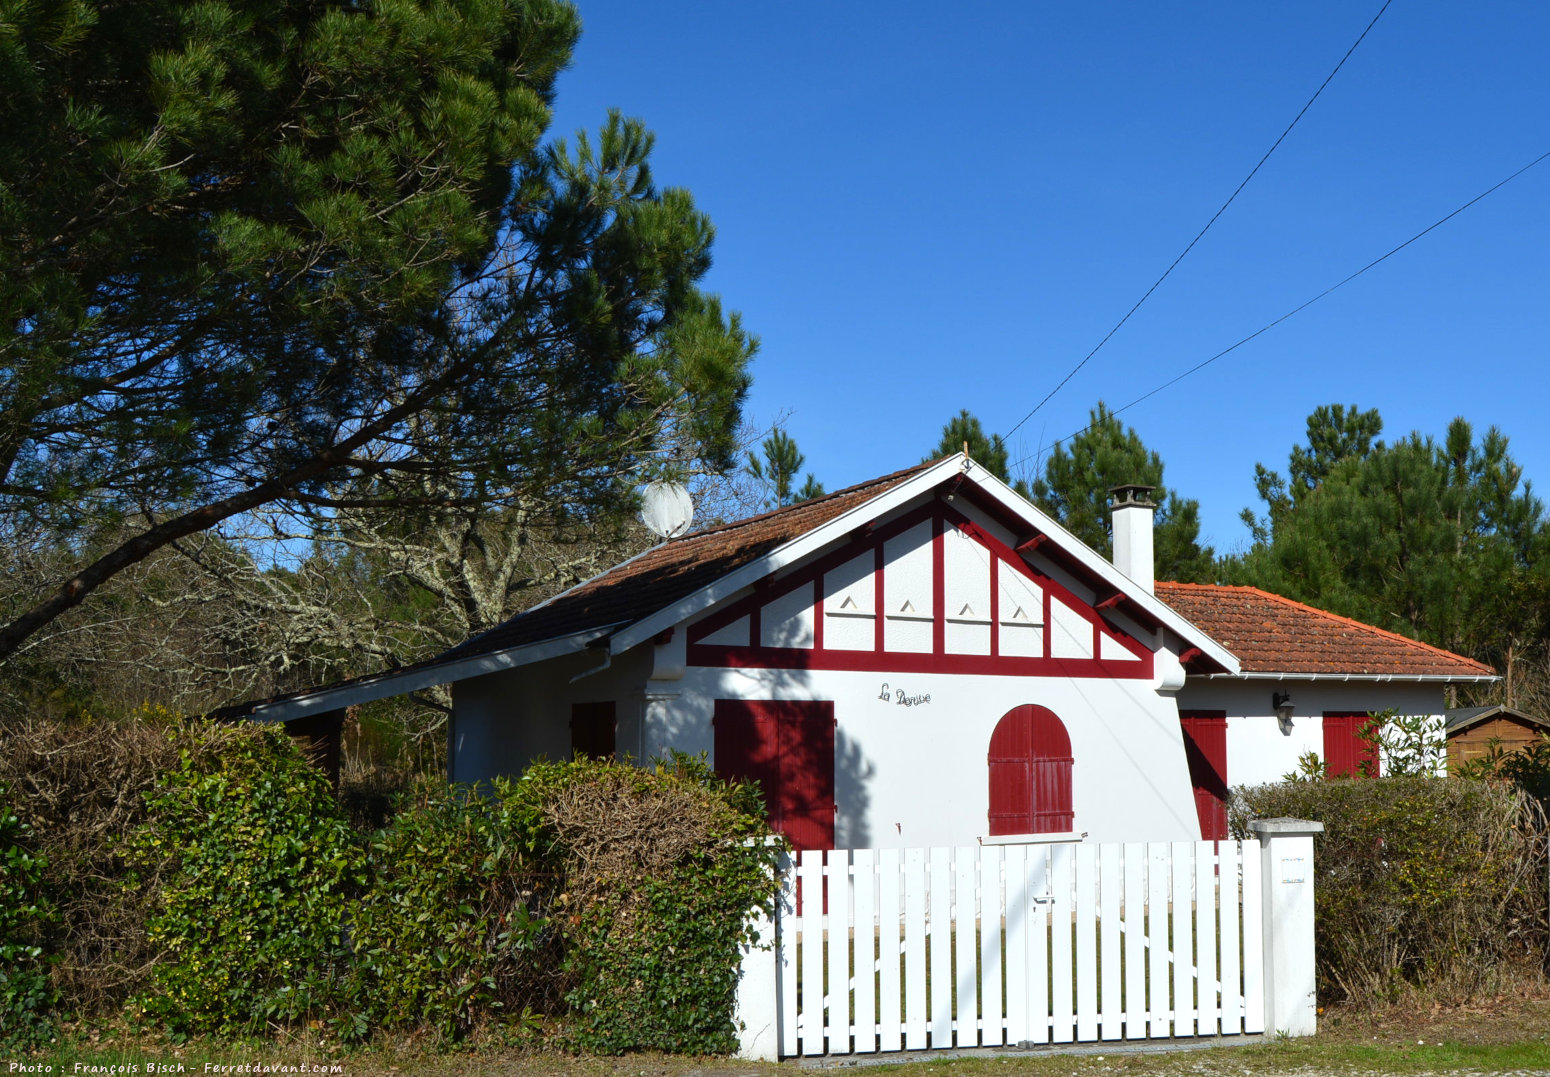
(1329, 616)
(768, 513)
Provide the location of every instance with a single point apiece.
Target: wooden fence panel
(919, 949)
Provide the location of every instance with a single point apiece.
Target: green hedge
(1422, 882)
(26, 995)
(605, 902)
(663, 866)
(258, 868)
(451, 932)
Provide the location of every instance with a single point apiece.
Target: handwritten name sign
(900, 698)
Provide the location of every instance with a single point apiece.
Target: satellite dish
(666, 509)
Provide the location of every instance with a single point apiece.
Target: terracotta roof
(672, 571)
(1271, 634)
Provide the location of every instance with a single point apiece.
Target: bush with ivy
(26, 995)
(662, 866)
(258, 867)
(1421, 881)
(453, 930)
(614, 894)
(80, 788)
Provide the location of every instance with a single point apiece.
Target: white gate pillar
(1286, 857)
(758, 1006)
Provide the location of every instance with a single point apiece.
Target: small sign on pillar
(1291, 979)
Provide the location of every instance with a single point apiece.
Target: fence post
(1286, 857)
(758, 1015)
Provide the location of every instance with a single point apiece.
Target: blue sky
(927, 207)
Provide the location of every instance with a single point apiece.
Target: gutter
(1374, 678)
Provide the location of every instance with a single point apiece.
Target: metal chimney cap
(1133, 494)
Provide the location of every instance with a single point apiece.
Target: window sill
(1033, 839)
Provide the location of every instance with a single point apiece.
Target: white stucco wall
(503, 721)
(1258, 752)
(905, 775)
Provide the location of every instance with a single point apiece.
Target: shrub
(1527, 767)
(661, 869)
(258, 866)
(617, 891)
(1420, 880)
(80, 788)
(453, 929)
(26, 996)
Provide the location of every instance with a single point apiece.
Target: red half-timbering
(933, 591)
(1030, 774)
(1205, 747)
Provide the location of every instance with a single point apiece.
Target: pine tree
(1443, 542)
(316, 255)
(1075, 491)
(778, 469)
(964, 429)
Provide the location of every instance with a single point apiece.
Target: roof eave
(414, 678)
(897, 497)
(1417, 678)
(1089, 559)
(786, 554)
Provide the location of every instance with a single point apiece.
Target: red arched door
(1030, 774)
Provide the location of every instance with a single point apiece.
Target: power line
(1074, 370)
(1303, 306)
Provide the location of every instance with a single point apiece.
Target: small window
(592, 730)
(1030, 774)
(1348, 754)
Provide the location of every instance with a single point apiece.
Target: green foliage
(662, 867)
(778, 469)
(613, 896)
(316, 257)
(1442, 542)
(453, 930)
(26, 995)
(1412, 744)
(988, 449)
(259, 868)
(1421, 881)
(1527, 768)
(81, 787)
(1075, 491)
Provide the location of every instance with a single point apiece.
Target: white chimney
(1132, 520)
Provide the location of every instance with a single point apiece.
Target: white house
(926, 659)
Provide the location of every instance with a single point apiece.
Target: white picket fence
(920, 949)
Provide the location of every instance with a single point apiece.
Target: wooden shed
(1472, 729)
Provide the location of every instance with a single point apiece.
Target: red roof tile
(1271, 634)
(672, 571)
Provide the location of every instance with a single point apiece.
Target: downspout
(608, 658)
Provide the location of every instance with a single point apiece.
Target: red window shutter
(1205, 747)
(1346, 752)
(788, 748)
(1030, 774)
(592, 729)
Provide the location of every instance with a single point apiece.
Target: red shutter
(1345, 749)
(1205, 746)
(592, 728)
(788, 748)
(1030, 774)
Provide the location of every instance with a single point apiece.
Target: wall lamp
(1281, 703)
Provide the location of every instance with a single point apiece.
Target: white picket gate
(920, 949)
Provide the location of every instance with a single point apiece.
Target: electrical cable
(1303, 306)
(1117, 325)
